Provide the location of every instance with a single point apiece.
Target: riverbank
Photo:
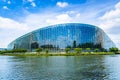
(57, 54)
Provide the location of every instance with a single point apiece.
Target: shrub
(1, 52)
(96, 50)
(15, 51)
(67, 50)
(18, 50)
(88, 49)
(47, 51)
(78, 50)
(113, 49)
(39, 50)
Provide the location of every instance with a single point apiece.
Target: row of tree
(79, 50)
(67, 50)
(113, 49)
(14, 51)
(39, 50)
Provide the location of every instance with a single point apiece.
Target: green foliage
(88, 49)
(78, 50)
(14, 51)
(47, 51)
(1, 52)
(113, 49)
(39, 50)
(67, 50)
(19, 50)
(96, 50)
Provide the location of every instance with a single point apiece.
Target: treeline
(114, 49)
(14, 51)
(79, 50)
(67, 50)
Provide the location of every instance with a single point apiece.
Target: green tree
(39, 50)
(0, 52)
(67, 50)
(114, 49)
(17, 50)
(78, 50)
(47, 51)
(88, 49)
(96, 50)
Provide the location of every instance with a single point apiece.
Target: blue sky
(18, 17)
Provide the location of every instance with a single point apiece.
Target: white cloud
(33, 4)
(5, 7)
(10, 30)
(78, 15)
(40, 20)
(62, 4)
(9, 2)
(7, 23)
(35, 21)
(117, 5)
(62, 18)
(30, 23)
(110, 22)
(9, 35)
(116, 39)
(30, 0)
(71, 12)
(111, 19)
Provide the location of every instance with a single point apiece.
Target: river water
(90, 67)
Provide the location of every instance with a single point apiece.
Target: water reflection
(94, 67)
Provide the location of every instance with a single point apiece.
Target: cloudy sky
(18, 17)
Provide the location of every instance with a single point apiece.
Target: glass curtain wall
(58, 37)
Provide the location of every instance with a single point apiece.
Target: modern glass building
(60, 36)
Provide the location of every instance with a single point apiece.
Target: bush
(96, 50)
(47, 51)
(14, 51)
(19, 50)
(78, 50)
(113, 49)
(88, 49)
(1, 52)
(39, 50)
(67, 50)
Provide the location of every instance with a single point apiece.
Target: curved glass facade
(64, 35)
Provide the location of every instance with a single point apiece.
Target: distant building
(64, 35)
